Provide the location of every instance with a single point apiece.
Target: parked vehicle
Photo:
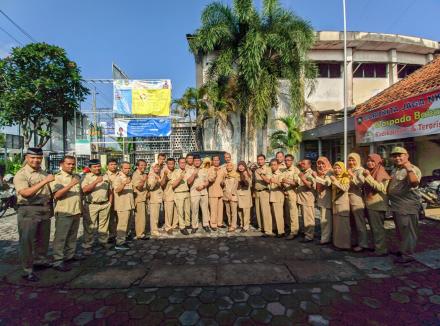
(430, 194)
(8, 197)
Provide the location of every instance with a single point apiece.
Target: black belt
(100, 203)
(40, 205)
(262, 190)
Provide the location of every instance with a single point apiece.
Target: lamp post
(345, 84)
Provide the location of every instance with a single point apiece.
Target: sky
(146, 38)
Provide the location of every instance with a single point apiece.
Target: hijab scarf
(357, 158)
(378, 173)
(343, 179)
(327, 167)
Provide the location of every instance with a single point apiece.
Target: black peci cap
(36, 151)
(94, 162)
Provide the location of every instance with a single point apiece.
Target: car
(210, 154)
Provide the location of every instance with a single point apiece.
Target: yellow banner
(151, 101)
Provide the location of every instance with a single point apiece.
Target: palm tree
(255, 50)
(288, 139)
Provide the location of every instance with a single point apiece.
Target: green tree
(256, 50)
(38, 85)
(287, 139)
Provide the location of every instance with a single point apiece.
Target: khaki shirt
(355, 192)
(282, 167)
(306, 196)
(200, 180)
(245, 195)
(27, 177)
(379, 200)
(234, 168)
(71, 203)
(403, 198)
(260, 184)
(276, 189)
(168, 192)
(124, 201)
(139, 195)
(215, 178)
(291, 174)
(156, 192)
(324, 197)
(183, 185)
(111, 176)
(230, 189)
(100, 193)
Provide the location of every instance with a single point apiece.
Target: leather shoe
(31, 277)
(40, 266)
(62, 268)
(282, 235)
(184, 231)
(207, 229)
(291, 236)
(75, 258)
(193, 231)
(305, 240)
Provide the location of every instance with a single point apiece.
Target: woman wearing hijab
(244, 195)
(357, 205)
(341, 207)
(324, 199)
(230, 196)
(375, 194)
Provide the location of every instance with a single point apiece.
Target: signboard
(142, 97)
(82, 147)
(151, 127)
(412, 117)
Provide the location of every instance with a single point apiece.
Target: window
(329, 70)
(369, 70)
(404, 70)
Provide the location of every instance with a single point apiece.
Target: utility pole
(345, 85)
(95, 117)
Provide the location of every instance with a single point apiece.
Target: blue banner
(152, 127)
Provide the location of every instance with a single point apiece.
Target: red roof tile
(423, 80)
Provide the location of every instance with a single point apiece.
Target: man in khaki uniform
(156, 197)
(215, 193)
(276, 199)
(139, 181)
(98, 200)
(33, 213)
(230, 196)
(124, 204)
(290, 182)
(112, 172)
(198, 183)
(281, 161)
(405, 202)
(168, 196)
(306, 199)
(179, 180)
(68, 208)
(262, 203)
(228, 159)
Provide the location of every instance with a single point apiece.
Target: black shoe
(193, 231)
(207, 229)
(41, 266)
(282, 235)
(291, 236)
(62, 268)
(324, 243)
(184, 231)
(75, 258)
(223, 226)
(396, 253)
(305, 240)
(31, 277)
(130, 237)
(243, 231)
(214, 229)
(122, 246)
(111, 240)
(143, 238)
(265, 235)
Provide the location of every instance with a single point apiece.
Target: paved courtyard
(226, 279)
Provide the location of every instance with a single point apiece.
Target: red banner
(412, 117)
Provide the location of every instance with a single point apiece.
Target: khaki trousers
(112, 223)
(308, 214)
(341, 231)
(154, 218)
(183, 208)
(361, 225)
(278, 212)
(201, 202)
(262, 209)
(64, 242)
(34, 231)
(140, 221)
(231, 213)
(122, 226)
(216, 208)
(293, 213)
(326, 224)
(170, 215)
(376, 220)
(408, 227)
(96, 217)
(245, 217)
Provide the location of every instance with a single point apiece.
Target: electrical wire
(10, 35)
(18, 26)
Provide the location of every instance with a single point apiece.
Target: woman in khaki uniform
(324, 198)
(357, 205)
(156, 196)
(376, 200)
(216, 176)
(230, 196)
(341, 207)
(244, 196)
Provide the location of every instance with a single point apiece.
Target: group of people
(117, 202)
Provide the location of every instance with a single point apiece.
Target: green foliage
(254, 50)
(288, 139)
(38, 84)
(14, 164)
